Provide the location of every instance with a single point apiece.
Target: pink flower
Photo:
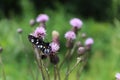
(42, 18)
(89, 41)
(54, 46)
(75, 22)
(40, 32)
(117, 76)
(70, 35)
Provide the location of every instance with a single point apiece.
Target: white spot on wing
(32, 40)
(40, 46)
(37, 42)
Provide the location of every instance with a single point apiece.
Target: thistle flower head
(42, 18)
(117, 76)
(40, 32)
(89, 41)
(76, 22)
(54, 47)
(70, 35)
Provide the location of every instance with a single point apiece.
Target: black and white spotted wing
(40, 44)
(34, 40)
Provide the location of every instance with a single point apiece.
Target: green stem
(32, 73)
(68, 63)
(3, 71)
(39, 63)
(55, 73)
(47, 72)
(67, 74)
(37, 74)
(68, 67)
(67, 54)
(85, 58)
(58, 72)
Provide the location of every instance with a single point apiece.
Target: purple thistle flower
(54, 47)
(117, 76)
(40, 32)
(89, 41)
(76, 23)
(70, 35)
(42, 18)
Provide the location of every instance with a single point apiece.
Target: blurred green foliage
(18, 56)
(97, 9)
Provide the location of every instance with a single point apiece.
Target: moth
(44, 47)
(40, 44)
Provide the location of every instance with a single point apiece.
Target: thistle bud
(55, 36)
(19, 30)
(83, 35)
(81, 50)
(54, 59)
(32, 22)
(1, 49)
(79, 44)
